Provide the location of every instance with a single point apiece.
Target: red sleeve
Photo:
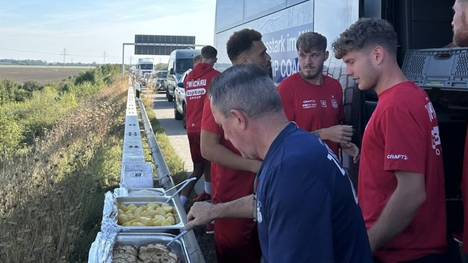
(287, 97)
(208, 122)
(405, 141)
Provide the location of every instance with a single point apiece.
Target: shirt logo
(334, 103)
(323, 103)
(309, 104)
(403, 157)
(435, 139)
(195, 92)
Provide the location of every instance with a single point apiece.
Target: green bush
(11, 134)
(87, 76)
(29, 110)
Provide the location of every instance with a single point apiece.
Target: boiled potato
(150, 214)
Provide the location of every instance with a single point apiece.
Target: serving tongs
(177, 237)
(180, 187)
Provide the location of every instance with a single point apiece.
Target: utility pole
(64, 56)
(104, 57)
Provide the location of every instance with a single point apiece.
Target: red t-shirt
(197, 85)
(403, 135)
(311, 106)
(228, 184)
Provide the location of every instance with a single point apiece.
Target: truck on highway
(145, 69)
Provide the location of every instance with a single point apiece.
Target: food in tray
(125, 254)
(151, 253)
(157, 253)
(150, 214)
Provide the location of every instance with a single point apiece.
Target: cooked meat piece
(124, 254)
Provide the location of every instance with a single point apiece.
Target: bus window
(253, 8)
(234, 8)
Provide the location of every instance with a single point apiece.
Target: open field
(41, 74)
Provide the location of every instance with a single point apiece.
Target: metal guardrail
(135, 173)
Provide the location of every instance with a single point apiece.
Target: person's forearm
(321, 133)
(239, 208)
(396, 216)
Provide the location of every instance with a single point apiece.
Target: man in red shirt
(401, 177)
(233, 176)
(196, 87)
(315, 101)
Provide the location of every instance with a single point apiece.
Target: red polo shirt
(403, 135)
(311, 106)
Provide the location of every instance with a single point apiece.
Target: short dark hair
(209, 52)
(311, 41)
(241, 41)
(365, 32)
(247, 88)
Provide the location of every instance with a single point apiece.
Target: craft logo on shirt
(403, 157)
(334, 103)
(309, 104)
(195, 92)
(323, 103)
(196, 83)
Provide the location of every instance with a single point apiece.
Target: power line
(64, 55)
(56, 54)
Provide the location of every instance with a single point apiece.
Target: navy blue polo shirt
(306, 207)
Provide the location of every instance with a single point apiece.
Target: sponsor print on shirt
(403, 157)
(309, 104)
(196, 83)
(435, 130)
(195, 92)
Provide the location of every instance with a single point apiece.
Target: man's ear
(327, 54)
(378, 55)
(240, 118)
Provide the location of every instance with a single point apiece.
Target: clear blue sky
(88, 29)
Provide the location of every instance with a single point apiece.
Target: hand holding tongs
(182, 185)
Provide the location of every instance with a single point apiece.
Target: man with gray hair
(460, 23)
(246, 104)
(315, 101)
